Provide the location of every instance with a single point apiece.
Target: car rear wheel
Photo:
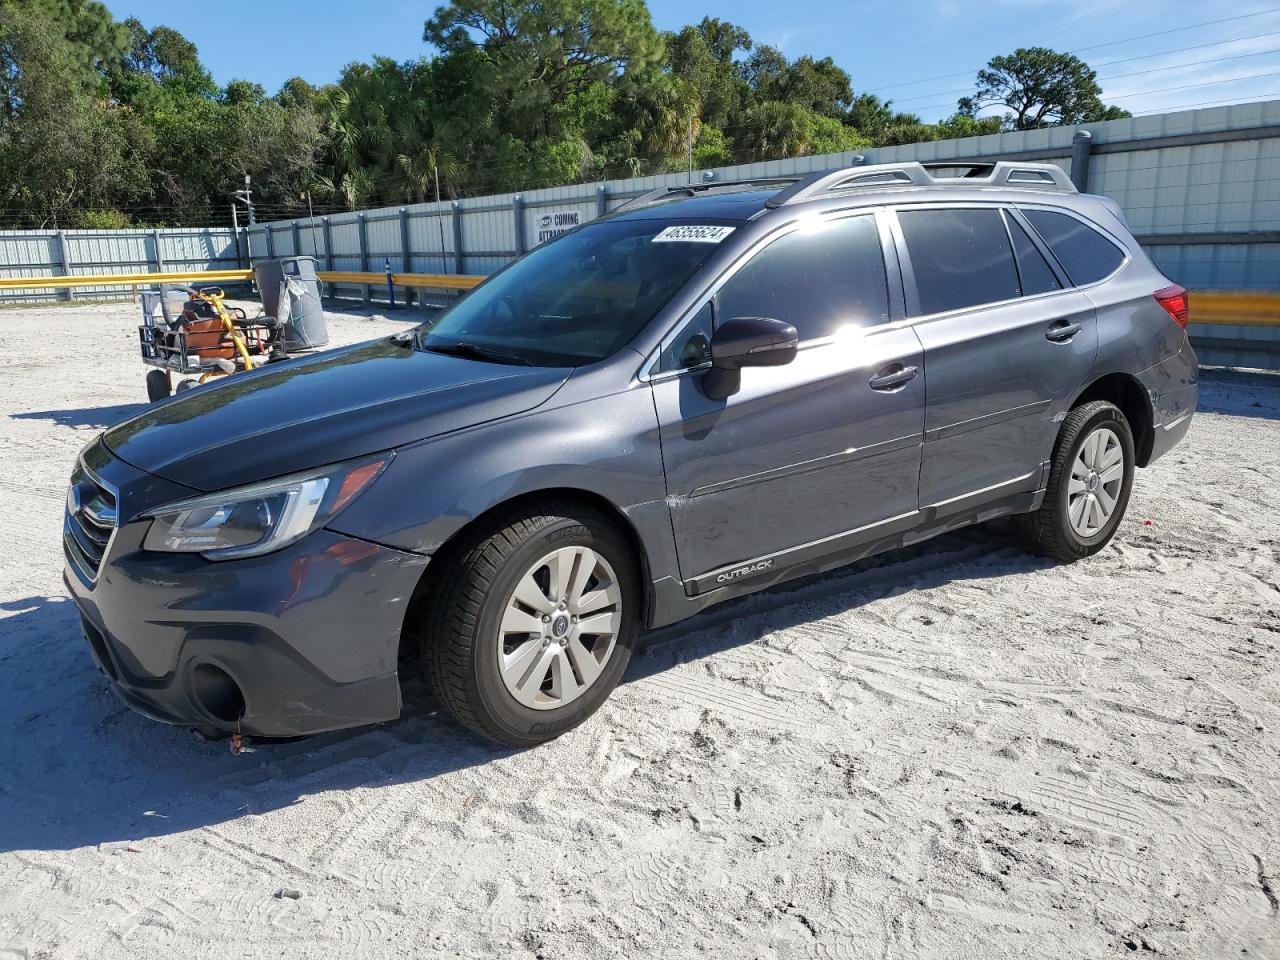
(1090, 479)
(533, 625)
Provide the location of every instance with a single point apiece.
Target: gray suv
(716, 388)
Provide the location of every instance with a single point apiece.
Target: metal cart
(198, 337)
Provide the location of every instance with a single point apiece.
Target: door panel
(804, 452)
(1004, 348)
(997, 387)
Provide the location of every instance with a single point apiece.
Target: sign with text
(551, 225)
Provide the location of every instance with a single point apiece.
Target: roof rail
(1002, 173)
(662, 193)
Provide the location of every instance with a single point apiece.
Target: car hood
(318, 410)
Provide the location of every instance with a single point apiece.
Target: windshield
(575, 300)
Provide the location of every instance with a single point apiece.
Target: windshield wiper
(461, 348)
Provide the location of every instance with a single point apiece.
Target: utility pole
(245, 196)
(444, 257)
(689, 148)
(235, 231)
(311, 224)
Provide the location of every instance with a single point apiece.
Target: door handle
(893, 376)
(1060, 331)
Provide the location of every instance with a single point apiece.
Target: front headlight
(260, 518)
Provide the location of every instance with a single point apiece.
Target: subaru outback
(717, 387)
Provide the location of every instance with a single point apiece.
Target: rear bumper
(296, 642)
(1174, 388)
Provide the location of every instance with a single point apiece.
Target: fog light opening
(216, 693)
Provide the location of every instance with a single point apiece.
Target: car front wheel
(533, 624)
(1090, 478)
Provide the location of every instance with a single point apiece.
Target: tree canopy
(1041, 88)
(114, 123)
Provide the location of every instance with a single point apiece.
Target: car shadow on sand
(1240, 393)
(78, 768)
(99, 418)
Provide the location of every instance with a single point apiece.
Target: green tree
(50, 109)
(545, 51)
(105, 122)
(819, 85)
(703, 57)
(1041, 88)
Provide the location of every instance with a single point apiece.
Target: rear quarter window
(1033, 269)
(1085, 254)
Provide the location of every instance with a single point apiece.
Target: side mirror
(746, 342)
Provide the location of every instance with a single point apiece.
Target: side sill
(673, 601)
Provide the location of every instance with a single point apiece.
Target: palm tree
(419, 159)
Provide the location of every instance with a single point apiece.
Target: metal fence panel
(1221, 267)
(1201, 188)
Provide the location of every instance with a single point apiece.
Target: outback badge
(750, 570)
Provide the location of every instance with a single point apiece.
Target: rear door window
(1034, 272)
(960, 258)
(1085, 254)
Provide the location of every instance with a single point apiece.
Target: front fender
(607, 447)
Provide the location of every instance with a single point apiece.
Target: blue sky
(922, 53)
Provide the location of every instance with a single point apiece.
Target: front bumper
(295, 642)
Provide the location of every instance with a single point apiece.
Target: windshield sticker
(693, 234)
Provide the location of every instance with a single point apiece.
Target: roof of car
(730, 204)
(744, 199)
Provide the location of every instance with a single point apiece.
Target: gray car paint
(334, 406)
(997, 387)
(805, 469)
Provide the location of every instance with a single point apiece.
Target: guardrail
(1227, 327)
(1232, 328)
(121, 279)
(1244, 308)
(430, 281)
(1209, 307)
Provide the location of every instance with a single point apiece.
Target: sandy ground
(951, 751)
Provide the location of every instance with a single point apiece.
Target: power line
(1192, 63)
(1118, 76)
(1207, 103)
(1161, 33)
(1096, 46)
(1188, 86)
(1143, 93)
(1198, 46)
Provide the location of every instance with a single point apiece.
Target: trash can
(290, 292)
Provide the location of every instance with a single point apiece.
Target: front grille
(90, 521)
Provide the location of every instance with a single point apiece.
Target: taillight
(1174, 301)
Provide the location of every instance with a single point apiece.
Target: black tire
(187, 384)
(157, 385)
(461, 629)
(1049, 531)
